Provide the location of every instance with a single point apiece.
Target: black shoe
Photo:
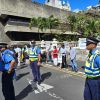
(39, 82)
(35, 80)
(76, 70)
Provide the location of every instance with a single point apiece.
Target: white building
(97, 7)
(59, 4)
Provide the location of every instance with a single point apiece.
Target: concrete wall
(26, 8)
(9, 28)
(3, 36)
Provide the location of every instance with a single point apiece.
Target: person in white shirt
(18, 51)
(73, 58)
(63, 52)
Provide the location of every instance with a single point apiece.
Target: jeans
(74, 65)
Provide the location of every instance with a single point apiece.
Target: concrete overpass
(15, 16)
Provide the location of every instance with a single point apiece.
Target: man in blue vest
(92, 71)
(34, 58)
(7, 72)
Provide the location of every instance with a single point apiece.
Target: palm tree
(43, 23)
(33, 22)
(36, 23)
(52, 22)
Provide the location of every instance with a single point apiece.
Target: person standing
(18, 52)
(26, 54)
(73, 58)
(7, 72)
(63, 52)
(43, 55)
(92, 71)
(55, 55)
(35, 58)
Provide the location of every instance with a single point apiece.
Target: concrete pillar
(3, 36)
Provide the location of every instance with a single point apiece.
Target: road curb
(79, 74)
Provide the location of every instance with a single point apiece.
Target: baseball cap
(92, 40)
(3, 45)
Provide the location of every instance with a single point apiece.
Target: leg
(37, 68)
(62, 62)
(7, 86)
(33, 70)
(87, 91)
(75, 65)
(72, 65)
(65, 63)
(99, 89)
(94, 86)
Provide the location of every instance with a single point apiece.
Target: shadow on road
(23, 66)
(22, 75)
(45, 75)
(24, 93)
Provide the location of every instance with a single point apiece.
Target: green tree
(33, 22)
(52, 22)
(43, 23)
(72, 22)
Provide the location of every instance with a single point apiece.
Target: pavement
(58, 84)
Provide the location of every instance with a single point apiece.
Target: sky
(77, 4)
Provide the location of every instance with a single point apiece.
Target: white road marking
(29, 81)
(42, 87)
(54, 96)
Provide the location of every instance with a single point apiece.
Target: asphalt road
(56, 85)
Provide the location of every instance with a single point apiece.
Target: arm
(11, 66)
(97, 59)
(39, 55)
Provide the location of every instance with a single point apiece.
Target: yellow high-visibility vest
(33, 56)
(90, 70)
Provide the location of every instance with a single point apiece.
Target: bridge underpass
(28, 36)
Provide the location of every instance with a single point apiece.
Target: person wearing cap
(7, 73)
(92, 71)
(34, 58)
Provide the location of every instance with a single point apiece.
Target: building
(15, 16)
(59, 4)
(97, 7)
(93, 11)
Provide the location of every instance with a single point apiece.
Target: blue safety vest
(90, 70)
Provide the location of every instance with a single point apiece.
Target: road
(57, 85)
